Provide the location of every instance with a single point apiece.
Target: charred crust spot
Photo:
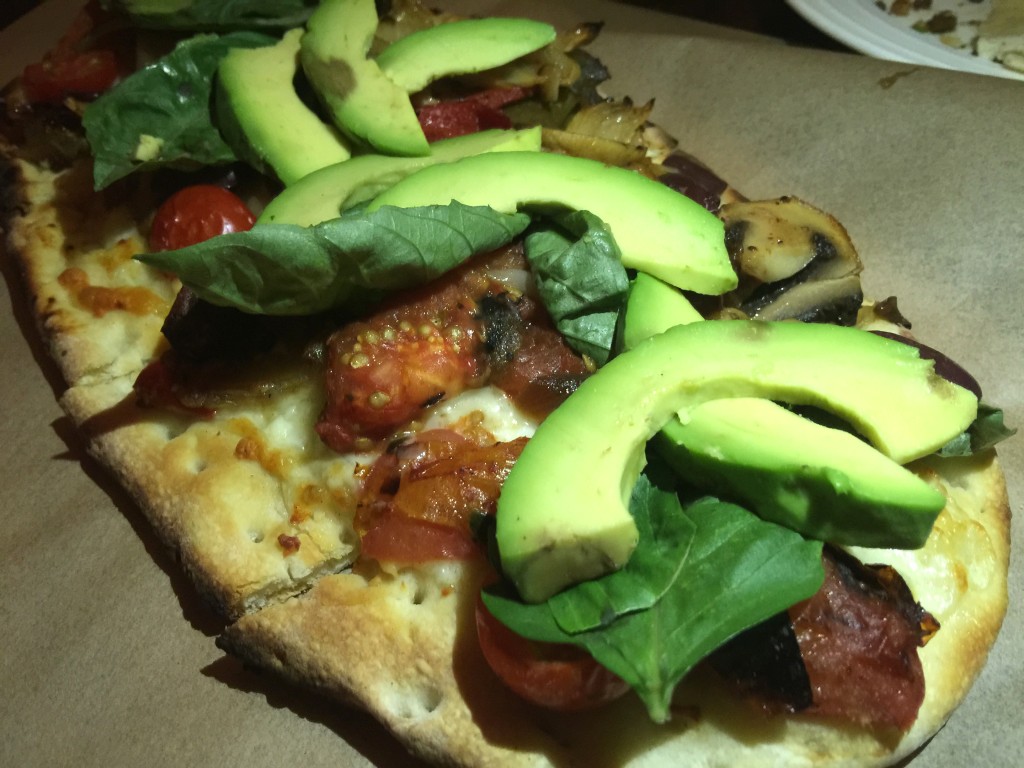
(289, 544)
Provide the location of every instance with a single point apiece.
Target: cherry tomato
(53, 79)
(197, 213)
(561, 677)
(421, 347)
(80, 63)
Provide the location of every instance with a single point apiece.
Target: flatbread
(402, 644)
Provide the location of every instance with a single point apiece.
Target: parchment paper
(107, 656)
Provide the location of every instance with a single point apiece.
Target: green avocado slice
(824, 483)
(263, 119)
(362, 100)
(658, 230)
(563, 512)
(324, 194)
(460, 47)
(654, 306)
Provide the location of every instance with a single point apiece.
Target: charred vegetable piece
(692, 178)
(199, 331)
(765, 666)
(856, 642)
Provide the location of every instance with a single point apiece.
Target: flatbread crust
(218, 492)
(435, 692)
(402, 645)
(218, 506)
(55, 223)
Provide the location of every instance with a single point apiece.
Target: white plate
(865, 27)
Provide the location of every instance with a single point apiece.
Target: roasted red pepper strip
(479, 112)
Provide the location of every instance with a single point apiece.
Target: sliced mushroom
(814, 300)
(771, 240)
(795, 262)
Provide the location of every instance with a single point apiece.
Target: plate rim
(864, 27)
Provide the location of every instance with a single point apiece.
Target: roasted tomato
(859, 637)
(420, 348)
(561, 677)
(399, 539)
(419, 498)
(197, 213)
(543, 372)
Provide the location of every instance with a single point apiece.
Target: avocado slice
(460, 47)
(563, 513)
(658, 230)
(263, 119)
(323, 195)
(824, 483)
(363, 102)
(654, 306)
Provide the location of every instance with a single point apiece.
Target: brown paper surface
(107, 656)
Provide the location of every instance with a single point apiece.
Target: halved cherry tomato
(80, 63)
(52, 79)
(561, 677)
(421, 347)
(195, 214)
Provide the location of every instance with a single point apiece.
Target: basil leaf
(216, 14)
(737, 572)
(283, 269)
(160, 116)
(581, 280)
(985, 431)
(643, 581)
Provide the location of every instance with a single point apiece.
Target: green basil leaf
(160, 116)
(581, 280)
(987, 429)
(282, 269)
(737, 572)
(643, 581)
(216, 14)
